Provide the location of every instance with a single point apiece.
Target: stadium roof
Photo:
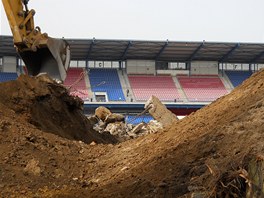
(170, 51)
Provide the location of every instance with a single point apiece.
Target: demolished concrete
(160, 113)
(106, 121)
(102, 113)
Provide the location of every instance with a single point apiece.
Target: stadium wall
(140, 67)
(9, 64)
(173, 72)
(204, 68)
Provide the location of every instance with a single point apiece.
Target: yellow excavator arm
(39, 52)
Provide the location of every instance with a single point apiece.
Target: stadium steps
(180, 90)
(88, 86)
(128, 86)
(121, 75)
(227, 83)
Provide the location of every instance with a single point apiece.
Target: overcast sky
(175, 20)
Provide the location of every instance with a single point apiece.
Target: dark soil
(49, 107)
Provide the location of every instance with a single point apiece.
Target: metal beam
(195, 52)
(126, 50)
(228, 54)
(162, 50)
(90, 49)
(254, 60)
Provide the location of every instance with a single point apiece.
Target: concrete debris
(44, 77)
(154, 126)
(102, 112)
(99, 126)
(143, 128)
(116, 128)
(160, 113)
(137, 128)
(94, 119)
(104, 121)
(114, 117)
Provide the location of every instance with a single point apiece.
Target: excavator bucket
(52, 58)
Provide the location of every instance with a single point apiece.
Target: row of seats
(161, 86)
(143, 87)
(7, 76)
(106, 80)
(136, 120)
(237, 77)
(75, 81)
(202, 88)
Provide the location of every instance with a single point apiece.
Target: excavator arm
(39, 52)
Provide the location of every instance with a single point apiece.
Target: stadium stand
(107, 80)
(162, 87)
(7, 76)
(76, 83)
(133, 120)
(237, 77)
(202, 89)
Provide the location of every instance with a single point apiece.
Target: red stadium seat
(76, 82)
(162, 87)
(202, 88)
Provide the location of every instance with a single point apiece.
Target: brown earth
(49, 107)
(207, 152)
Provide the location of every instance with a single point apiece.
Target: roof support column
(195, 52)
(162, 50)
(126, 50)
(120, 65)
(90, 49)
(228, 54)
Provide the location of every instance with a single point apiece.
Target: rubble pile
(104, 121)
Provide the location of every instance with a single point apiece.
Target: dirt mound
(48, 106)
(207, 154)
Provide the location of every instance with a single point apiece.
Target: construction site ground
(49, 149)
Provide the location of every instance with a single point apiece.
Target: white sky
(176, 20)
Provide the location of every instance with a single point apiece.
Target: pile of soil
(48, 106)
(206, 154)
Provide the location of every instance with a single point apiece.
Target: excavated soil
(48, 106)
(204, 153)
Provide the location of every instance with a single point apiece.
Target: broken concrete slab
(114, 117)
(159, 112)
(102, 112)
